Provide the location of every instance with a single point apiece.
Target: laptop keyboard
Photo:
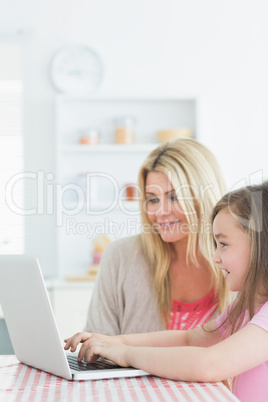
(100, 364)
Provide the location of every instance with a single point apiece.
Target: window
(11, 150)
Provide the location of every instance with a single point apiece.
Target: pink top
(190, 315)
(252, 385)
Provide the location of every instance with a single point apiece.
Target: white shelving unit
(91, 178)
(111, 148)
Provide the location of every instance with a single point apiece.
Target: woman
(164, 278)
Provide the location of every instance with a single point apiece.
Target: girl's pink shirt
(186, 316)
(252, 385)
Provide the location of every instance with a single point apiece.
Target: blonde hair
(195, 175)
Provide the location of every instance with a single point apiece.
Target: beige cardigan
(123, 299)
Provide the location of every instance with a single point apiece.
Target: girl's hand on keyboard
(95, 345)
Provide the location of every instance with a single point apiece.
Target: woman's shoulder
(127, 246)
(124, 255)
(123, 261)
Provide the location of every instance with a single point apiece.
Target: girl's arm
(206, 335)
(195, 337)
(238, 353)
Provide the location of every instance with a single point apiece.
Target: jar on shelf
(90, 136)
(131, 192)
(125, 130)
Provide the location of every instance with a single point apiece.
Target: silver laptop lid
(29, 316)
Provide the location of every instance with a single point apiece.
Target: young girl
(235, 345)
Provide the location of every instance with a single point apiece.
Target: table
(21, 383)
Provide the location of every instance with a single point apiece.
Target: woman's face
(163, 208)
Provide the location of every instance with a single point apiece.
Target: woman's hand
(95, 345)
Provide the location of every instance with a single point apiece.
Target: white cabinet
(91, 179)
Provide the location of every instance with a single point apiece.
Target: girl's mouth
(227, 272)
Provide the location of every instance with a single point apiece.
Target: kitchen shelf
(103, 208)
(130, 206)
(114, 148)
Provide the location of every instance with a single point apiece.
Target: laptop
(32, 327)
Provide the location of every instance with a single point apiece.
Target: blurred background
(85, 88)
(163, 64)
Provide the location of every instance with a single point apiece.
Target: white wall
(213, 50)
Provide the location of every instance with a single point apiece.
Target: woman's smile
(167, 225)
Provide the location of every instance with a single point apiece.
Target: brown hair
(249, 206)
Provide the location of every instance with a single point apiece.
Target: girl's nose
(217, 258)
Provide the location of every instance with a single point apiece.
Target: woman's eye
(152, 200)
(173, 197)
(223, 244)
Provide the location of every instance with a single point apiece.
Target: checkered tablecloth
(21, 383)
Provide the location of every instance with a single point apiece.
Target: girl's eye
(223, 244)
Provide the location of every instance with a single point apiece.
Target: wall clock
(76, 70)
